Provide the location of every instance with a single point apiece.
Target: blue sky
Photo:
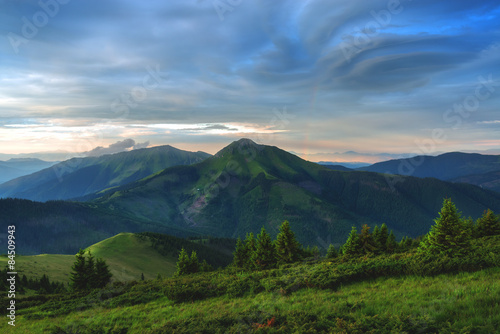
(313, 77)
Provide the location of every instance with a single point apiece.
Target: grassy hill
(79, 177)
(128, 256)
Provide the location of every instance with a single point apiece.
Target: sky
(318, 78)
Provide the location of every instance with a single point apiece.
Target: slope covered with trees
(79, 177)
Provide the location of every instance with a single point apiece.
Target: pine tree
(194, 265)
(90, 272)
(250, 247)
(264, 256)
(78, 275)
(368, 245)
(381, 238)
(391, 245)
(142, 276)
(287, 247)
(488, 224)
(331, 253)
(448, 235)
(182, 263)
(240, 255)
(352, 246)
(102, 274)
(205, 267)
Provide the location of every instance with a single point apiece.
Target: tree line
(450, 235)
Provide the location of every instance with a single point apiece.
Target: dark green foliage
(189, 264)
(240, 255)
(215, 251)
(488, 224)
(89, 273)
(182, 263)
(287, 247)
(264, 256)
(102, 274)
(391, 245)
(353, 245)
(331, 253)
(366, 240)
(79, 272)
(381, 238)
(449, 234)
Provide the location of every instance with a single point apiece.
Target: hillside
(399, 293)
(128, 256)
(455, 166)
(14, 168)
(246, 186)
(78, 177)
(489, 180)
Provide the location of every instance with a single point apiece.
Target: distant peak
(240, 145)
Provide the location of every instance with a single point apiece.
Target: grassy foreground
(453, 303)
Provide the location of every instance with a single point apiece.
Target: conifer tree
(352, 246)
(90, 272)
(391, 245)
(331, 253)
(368, 245)
(448, 235)
(205, 267)
(240, 255)
(102, 274)
(78, 275)
(250, 248)
(287, 247)
(142, 276)
(488, 224)
(381, 238)
(264, 256)
(194, 265)
(182, 263)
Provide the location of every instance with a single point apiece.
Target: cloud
(411, 64)
(120, 146)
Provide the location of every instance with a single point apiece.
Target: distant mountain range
(14, 168)
(477, 169)
(238, 190)
(79, 177)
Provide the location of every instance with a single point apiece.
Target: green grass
(56, 266)
(126, 254)
(454, 303)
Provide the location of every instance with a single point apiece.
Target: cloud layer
(310, 76)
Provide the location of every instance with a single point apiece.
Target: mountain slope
(78, 177)
(128, 256)
(246, 186)
(14, 168)
(489, 180)
(447, 166)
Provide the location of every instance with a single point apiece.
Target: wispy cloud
(225, 77)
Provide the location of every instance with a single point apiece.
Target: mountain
(489, 180)
(246, 186)
(14, 168)
(79, 177)
(349, 165)
(448, 166)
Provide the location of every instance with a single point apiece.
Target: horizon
(394, 77)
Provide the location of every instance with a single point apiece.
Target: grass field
(457, 303)
(127, 257)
